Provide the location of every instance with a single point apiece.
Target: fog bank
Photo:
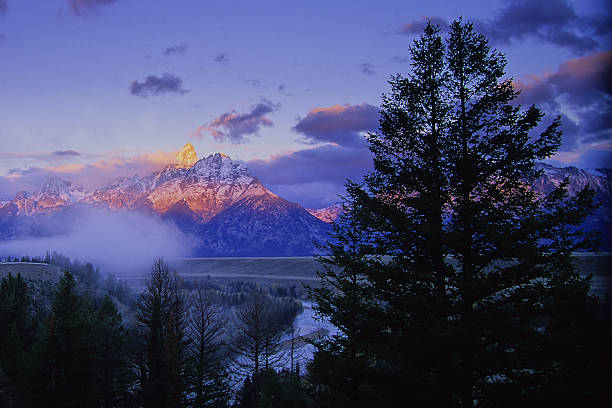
(118, 242)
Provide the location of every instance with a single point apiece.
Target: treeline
(196, 344)
(89, 277)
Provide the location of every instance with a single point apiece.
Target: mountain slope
(327, 214)
(262, 225)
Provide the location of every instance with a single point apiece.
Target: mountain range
(226, 210)
(223, 208)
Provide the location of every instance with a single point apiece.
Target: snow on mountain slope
(54, 195)
(327, 214)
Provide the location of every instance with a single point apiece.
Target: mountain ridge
(228, 211)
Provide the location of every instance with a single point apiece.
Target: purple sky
(94, 89)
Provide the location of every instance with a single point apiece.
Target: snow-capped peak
(220, 167)
(61, 189)
(55, 185)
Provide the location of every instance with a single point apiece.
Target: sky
(95, 89)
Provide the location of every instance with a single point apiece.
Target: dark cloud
(175, 49)
(338, 124)
(313, 177)
(154, 85)
(581, 86)
(554, 21)
(234, 127)
(222, 58)
(2, 7)
(66, 153)
(367, 68)
(417, 26)
(82, 7)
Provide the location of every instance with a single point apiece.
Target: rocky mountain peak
(187, 156)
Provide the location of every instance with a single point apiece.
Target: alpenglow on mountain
(226, 210)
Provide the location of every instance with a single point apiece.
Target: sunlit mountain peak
(187, 156)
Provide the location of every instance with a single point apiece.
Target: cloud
(175, 49)
(92, 175)
(234, 127)
(338, 124)
(418, 26)
(222, 58)
(154, 85)
(3, 7)
(36, 158)
(312, 177)
(367, 68)
(580, 89)
(82, 7)
(581, 80)
(65, 153)
(553, 21)
(91, 234)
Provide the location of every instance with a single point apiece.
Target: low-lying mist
(119, 242)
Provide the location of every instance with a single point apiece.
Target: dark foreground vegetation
(450, 280)
(67, 344)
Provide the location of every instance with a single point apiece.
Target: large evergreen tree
(162, 314)
(447, 274)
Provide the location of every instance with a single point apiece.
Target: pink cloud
(95, 174)
(235, 127)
